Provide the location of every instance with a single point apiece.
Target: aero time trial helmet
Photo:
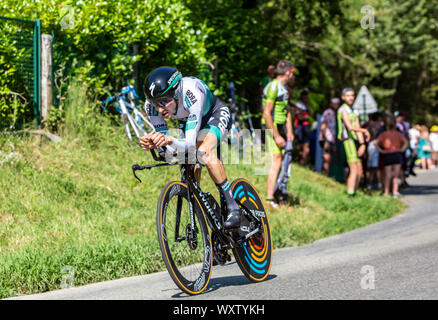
(161, 84)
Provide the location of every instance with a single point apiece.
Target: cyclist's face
(167, 110)
(290, 77)
(348, 97)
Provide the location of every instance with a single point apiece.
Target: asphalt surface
(393, 259)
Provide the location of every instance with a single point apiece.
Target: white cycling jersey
(196, 104)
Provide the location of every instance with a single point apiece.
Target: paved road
(392, 259)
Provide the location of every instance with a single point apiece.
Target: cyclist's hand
(367, 135)
(160, 140)
(146, 142)
(290, 136)
(279, 140)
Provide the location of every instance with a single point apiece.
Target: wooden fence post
(46, 76)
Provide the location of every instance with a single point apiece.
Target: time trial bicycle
(191, 233)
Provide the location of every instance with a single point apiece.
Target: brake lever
(136, 167)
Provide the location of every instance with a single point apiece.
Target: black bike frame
(196, 196)
(200, 198)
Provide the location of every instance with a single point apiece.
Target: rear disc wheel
(254, 256)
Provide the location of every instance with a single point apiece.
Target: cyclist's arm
(360, 136)
(160, 126)
(350, 127)
(271, 95)
(289, 130)
(268, 117)
(195, 105)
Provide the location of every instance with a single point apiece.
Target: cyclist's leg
(210, 137)
(353, 164)
(207, 145)
(274, 169)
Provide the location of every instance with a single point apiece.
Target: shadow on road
(221, 282)
(421, 190)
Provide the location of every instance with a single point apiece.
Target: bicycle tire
(254, 256)
(189, 268)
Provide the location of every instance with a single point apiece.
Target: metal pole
(364, 107)
(37, 70)
(46, 75)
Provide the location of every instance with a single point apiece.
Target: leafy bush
(15, 104)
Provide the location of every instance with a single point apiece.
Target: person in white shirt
(327, 137)
(414, 135)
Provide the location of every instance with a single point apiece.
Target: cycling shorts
(219, 122)
(351, 151)
(272, 146)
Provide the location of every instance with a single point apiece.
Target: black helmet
(161, 84)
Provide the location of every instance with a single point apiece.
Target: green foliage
(15, 104)
(107, 44)
(397, 58)
(96, 39)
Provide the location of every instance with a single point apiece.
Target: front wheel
(185, 244)
(254, 256)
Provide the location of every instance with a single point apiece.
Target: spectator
(313, 140)
(414, 136)
(434, 144)
(301, 123)
(267, 78)
(327, 137)
(350, 132)
(401, 124)
(262, 84)
(373, 128)
(403, 127)
(424, 149)
(391, 145)
(279, 120)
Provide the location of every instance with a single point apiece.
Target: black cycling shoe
(233, 220)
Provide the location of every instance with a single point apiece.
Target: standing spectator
(391, 145)
(351, 133)
(373, 128)
(279, 120)
(267, 78)
(302, 112)
(414, 137)
(434, 144)
(403, 127)
(424, 149)
(327, 137)
(263, 83)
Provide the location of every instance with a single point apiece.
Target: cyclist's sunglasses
(161, 101)
(291, 69)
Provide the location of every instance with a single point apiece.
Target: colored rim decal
(237, 190)
(255, 251)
